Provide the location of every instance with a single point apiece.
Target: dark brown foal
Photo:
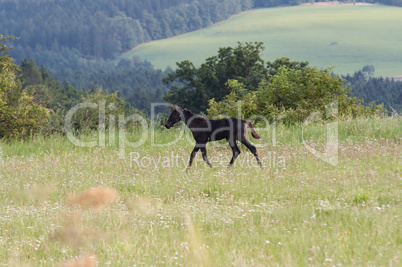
(205, 130)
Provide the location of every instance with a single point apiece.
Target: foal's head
(174, 117)
(177, 115)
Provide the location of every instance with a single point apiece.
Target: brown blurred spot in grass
(97, 198)
(88, 261)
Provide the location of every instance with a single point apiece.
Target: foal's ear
(177, 108)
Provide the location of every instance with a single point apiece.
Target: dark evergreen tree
(377, 90)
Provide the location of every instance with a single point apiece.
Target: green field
(344, 36)
(297, 210)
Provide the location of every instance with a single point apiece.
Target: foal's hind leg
(235, 150)
(252, 149)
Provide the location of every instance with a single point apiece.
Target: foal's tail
(253, 133)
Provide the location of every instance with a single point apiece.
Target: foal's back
(227, 128)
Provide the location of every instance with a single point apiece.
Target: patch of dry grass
(97, 198)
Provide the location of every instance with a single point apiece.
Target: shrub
(293, 95)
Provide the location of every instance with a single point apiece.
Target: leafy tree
(20, 116)
(196, 86)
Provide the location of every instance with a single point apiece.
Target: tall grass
(297, 210)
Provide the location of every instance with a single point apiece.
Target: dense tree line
(377, 90)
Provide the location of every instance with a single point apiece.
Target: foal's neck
(187, 118)
(191, 118)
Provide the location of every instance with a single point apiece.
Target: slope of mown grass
(297, 210)
(344, 36)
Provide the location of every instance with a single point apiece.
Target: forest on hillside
(75, 33)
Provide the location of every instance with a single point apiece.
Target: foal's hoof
(186, 169)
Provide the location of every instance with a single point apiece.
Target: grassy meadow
(344, 36)
(65, 204)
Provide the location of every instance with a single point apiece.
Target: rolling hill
(344, 36)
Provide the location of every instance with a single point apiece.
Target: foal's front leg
(203, 151)
(196, 148)
(204, 155)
